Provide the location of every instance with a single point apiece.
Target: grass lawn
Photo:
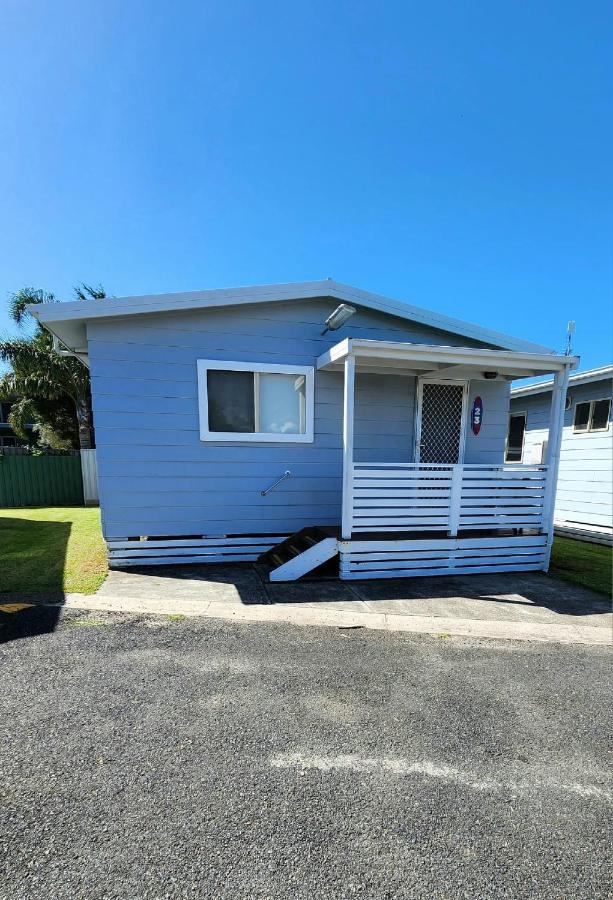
(51, 549)
(587, 564)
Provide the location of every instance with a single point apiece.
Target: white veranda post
(554, 443)
(348, 409)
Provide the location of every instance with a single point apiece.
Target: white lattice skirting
(445, 556)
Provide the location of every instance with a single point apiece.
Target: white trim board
(305, 437)
(432, 357)
(61, 318)
(604, 373)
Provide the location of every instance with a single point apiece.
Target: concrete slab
(201, 584)
(515, 606)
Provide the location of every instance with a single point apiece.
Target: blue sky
(454, 155)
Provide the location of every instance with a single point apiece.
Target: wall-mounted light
(338, 317)
(490, 375)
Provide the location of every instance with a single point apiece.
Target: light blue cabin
(228, 421)
(583, 506)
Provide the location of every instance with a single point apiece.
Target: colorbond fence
(47, 480)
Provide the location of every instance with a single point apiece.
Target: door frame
(431, 379)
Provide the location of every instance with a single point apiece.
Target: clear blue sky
(454, 155)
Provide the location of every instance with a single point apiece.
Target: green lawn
(55, 549)
(50, 550)
(587, 564)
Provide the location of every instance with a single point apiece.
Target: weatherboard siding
(585, 492)
(157, 477)
(488, 446)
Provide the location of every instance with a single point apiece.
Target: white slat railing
(429, 497)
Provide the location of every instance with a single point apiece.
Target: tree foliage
(48, 388)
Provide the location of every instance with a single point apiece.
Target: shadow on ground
(517, 596)
(25, 544)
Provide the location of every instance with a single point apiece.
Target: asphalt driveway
(150, 757)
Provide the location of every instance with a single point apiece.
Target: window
(255, 402)
(600, 415)
(582, 416)
(592, 415)
(5, 411)
(515, 439)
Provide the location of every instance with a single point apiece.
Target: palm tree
(51, 388)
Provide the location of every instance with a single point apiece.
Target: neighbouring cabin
(584, 499)
(229, 421)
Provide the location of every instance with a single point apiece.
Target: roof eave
(399, 354)
(127, 306)
(589, 376)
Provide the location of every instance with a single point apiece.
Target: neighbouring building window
(255, 402)
(592, 415)
(515, 439)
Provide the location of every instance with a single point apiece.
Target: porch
(437, 513)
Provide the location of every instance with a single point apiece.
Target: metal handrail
(285, 475)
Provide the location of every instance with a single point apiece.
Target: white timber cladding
(558, 403)
(306, 372)
(123, 554)
(422, 497)
(584, 496)
(445, 556)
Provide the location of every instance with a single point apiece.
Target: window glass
(600, 414)
(515, 443)
(231, 401)
(582, 416)
(281, 403)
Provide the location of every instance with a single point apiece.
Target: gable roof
(603, 373)
(67, 320)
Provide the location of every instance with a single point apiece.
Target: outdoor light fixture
(338, 317)
(490, 375)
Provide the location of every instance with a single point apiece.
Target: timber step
(312, 550)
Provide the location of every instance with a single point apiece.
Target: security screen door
(440, 421)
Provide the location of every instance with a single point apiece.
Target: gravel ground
(158, 758)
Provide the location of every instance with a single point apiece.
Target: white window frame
(258, 436)
(588, 429)
(512, 415)
(421, 380)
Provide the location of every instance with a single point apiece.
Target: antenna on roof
(570, 330)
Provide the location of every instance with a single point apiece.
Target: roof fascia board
(603, 374)
(406, 352)
(435, 320)
(155, 303)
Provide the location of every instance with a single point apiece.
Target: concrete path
(527, 606)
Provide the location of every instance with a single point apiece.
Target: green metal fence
(40, 480)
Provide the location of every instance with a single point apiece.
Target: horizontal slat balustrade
(401, 497)
(428, 497)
